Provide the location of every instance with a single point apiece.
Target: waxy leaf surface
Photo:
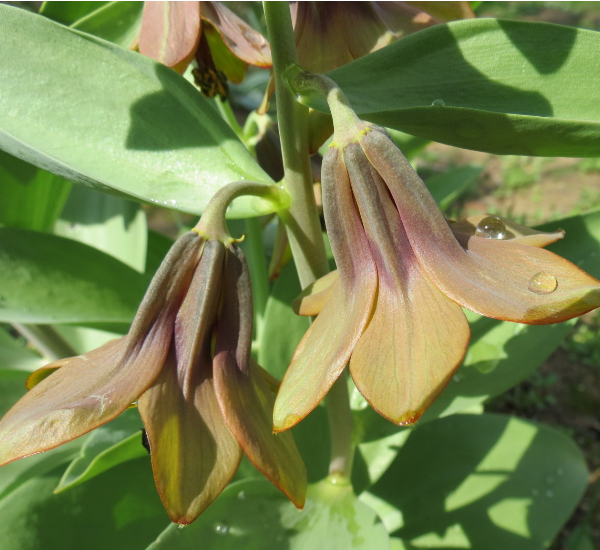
(504, 87)
(105, 116)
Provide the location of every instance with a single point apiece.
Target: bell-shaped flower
(186, 360)
(393, 308)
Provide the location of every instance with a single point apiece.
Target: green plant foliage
(126, 123)
(50, 279)
(254, 515)
(15, 356)
(68, 12)
(511, 486)
(505, 87)
(30, 198)
(117, 22)
(106, 447)
(448, 186)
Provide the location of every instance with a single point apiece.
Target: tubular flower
(186, 360)
(393, 308)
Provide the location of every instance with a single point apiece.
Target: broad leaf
(125, 122)
(15, 356)
(448, 186)
(68, 12)
(506, 87)
(489, 481)
(252, 514)
(50, 279)
(30, 198)
(117, 22)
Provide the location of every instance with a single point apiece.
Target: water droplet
(181, 526)
(242, 495)
(560, 472)
(543, 283)
(535, 492)
(222, 528)
(549, 494)
(456, 378)
(491, 227)
(438, 103)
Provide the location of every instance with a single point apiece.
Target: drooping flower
(186, 360)
(223, 44)
(393, 309)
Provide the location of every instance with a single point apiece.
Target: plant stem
(302, 219)
(258, 270)
(46, 340)
(302, 222)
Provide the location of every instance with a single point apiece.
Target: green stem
(213, 225)
(302, 221)
(46, 340)
(225, 110)
(258, 270)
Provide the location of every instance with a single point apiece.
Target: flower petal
(417, 337)
(194, 455)
(170, 32)
(326, 347)
(512, 231)
(246, 43)
(243, 393)
(314, 297)
(94, 388)
(500, 279)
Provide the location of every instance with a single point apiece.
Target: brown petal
(170, 32)
(243, 393)
(327, 345)
(93, 388)
(512, 231)
(42, 373)
(417, 337)
(246, 43)
(194, 455)
(500, 279)
(314, 297)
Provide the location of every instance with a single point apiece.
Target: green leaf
(30, 198)
(15, 356)
(108, 446)
(50, 279)
(254, 515)
(119, 509)
(158, 246)
(488, 481)
(68, 12)
(448, 186)
(12, 388)
(282, 329)
(505, 87)
(126, 124)
(110, 224)
(117, 22)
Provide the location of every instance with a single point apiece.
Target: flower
(331, 34)
(222, 43)
(393, 310)
(186, 360)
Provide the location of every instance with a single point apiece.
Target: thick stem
(302, 222)
(47, 341)
(302, 219)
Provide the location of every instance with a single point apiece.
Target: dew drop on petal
(543, 283)
(222, 528)
(491, 227)
(438, 103)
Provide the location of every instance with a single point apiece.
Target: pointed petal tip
(289, 422)
(409, 418)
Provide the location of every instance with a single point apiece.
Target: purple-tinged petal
(243, 393)
(500, 279)
(417, 337)
(490, 226)
(95, 387)
(326, 347)
(314, 297)
(170, 32)
(194, 455)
